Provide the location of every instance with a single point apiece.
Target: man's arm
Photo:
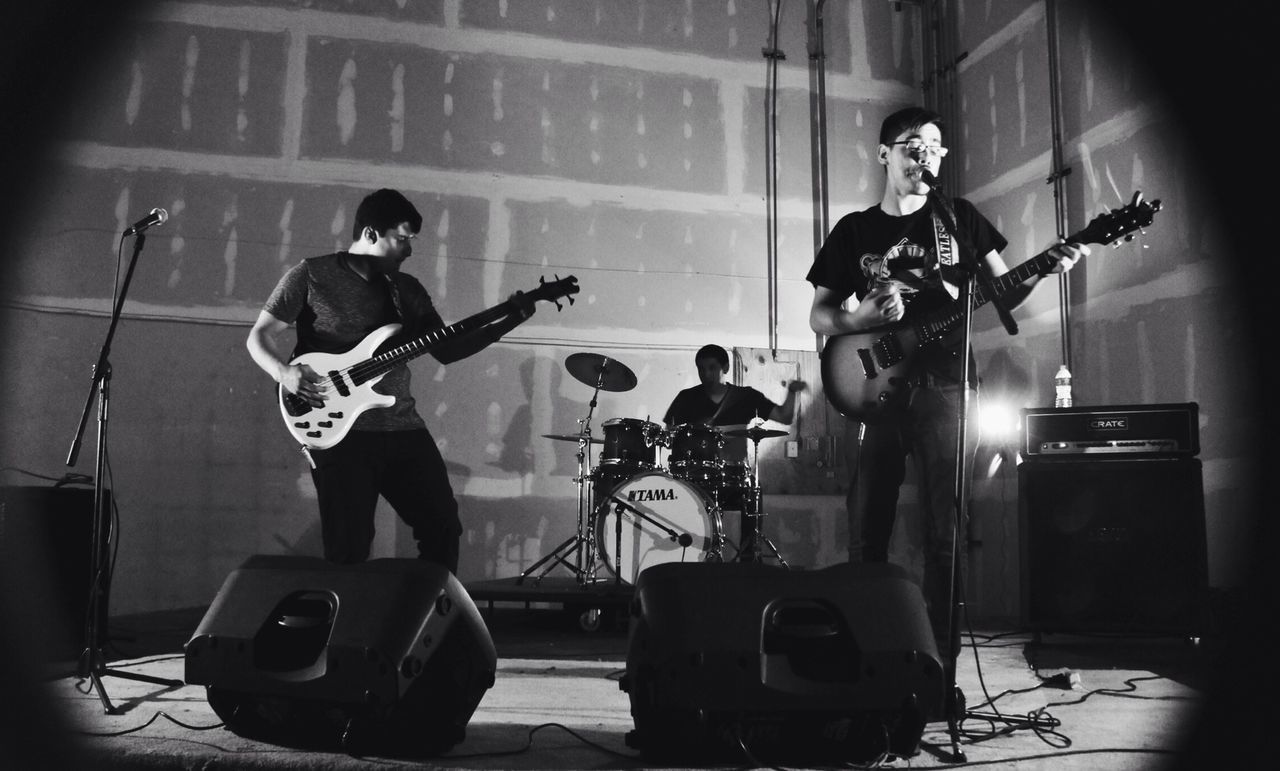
(265, 351)
(786, 412)
(1067, 255)
(882, 305)
(474, 342)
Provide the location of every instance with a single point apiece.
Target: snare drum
(695, 454)
(662, 519)
(630, 445)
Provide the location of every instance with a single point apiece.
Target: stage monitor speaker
(1113, 546)
(46, 542)
(387, 657)
(752, 663)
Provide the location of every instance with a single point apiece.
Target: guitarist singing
(334, 302)
(900, 261)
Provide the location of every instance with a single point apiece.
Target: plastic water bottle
(1062, 387)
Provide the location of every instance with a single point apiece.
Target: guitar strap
(393, 292)
(944, 234)
(728, 397)
(948, 253)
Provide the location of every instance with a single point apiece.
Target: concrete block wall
(620, 142)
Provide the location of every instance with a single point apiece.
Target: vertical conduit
(818, 134)
(772, 55)
(1059, 173)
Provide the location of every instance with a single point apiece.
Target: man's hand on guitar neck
(303, 381)
(525, 306)
(1067, 256)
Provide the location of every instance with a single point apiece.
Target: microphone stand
(92, 663)
(684, 540)
(972, 273)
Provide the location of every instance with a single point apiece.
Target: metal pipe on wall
(1059, 173)
(772, 55)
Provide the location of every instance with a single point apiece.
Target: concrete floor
(557, 704)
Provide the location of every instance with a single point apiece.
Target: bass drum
(652, 519)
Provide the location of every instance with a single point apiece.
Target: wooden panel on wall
(815, 463)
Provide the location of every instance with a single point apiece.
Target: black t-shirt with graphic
(870, 248)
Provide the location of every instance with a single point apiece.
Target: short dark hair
(384, 210)
(907, 119)
(713, 351)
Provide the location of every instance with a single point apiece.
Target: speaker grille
(1113, 546)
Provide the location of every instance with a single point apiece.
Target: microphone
(929, 178)
(156, 217)
(685, 540)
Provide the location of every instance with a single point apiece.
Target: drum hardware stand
(574, 543)
(603, 374)
(753, 537)
(684, 540)
(92, 663)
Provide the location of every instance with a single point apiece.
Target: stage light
(999, 421)
(999, 424)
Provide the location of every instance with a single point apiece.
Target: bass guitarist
(334, 302)
(900, 261)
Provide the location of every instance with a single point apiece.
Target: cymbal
(573, 438)
(755, 434)
(596, 370)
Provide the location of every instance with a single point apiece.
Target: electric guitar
(349, 378)
(863, 373)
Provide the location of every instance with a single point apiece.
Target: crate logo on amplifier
(1110, 424)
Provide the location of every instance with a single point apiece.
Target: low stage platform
(599, 603)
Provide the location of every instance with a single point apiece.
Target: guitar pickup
(868, 364)
(888, 351)
(339, 383)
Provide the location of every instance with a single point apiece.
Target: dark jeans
(925, 429)
(405, 468)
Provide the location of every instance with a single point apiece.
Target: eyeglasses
(917, 145)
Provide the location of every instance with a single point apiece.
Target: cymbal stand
(579, 545)
(753, 508)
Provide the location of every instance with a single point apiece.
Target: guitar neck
(937, 325)
(387, 360)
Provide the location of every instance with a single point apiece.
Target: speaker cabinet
(389, 656)
(46, 543)
(1113, 546)
(745, 662)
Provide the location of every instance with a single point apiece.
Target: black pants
(405, 468)
(924, 428)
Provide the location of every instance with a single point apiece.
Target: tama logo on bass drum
(657, 494)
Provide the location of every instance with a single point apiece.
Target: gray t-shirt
(333, 309)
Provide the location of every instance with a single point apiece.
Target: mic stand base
(94, 668)
(955, 712)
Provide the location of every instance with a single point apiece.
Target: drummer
(714, 402)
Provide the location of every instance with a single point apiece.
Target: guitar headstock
(565, 287)
(1114, 226)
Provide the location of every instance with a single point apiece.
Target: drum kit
(633, 512)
